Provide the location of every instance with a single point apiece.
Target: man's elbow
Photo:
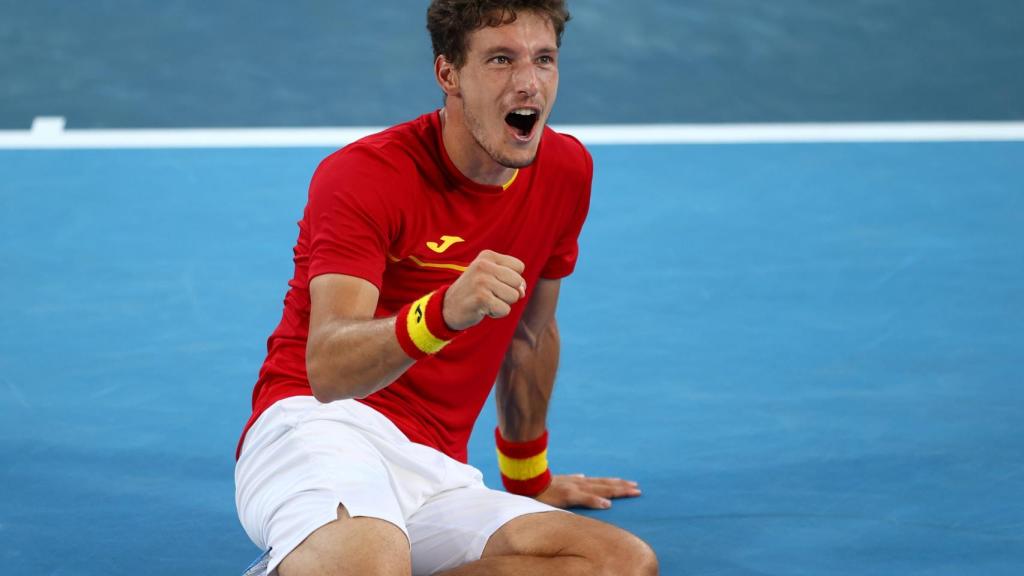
(528, 345)
(327, 384)
(317, 381)
(532, 338)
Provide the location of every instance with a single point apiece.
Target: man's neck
(473, 161)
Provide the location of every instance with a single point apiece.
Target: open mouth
(522, 120)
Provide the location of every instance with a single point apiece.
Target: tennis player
(427, 269)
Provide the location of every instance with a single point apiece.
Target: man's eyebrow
(509, 50)
(500, 50)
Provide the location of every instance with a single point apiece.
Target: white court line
(48, 133)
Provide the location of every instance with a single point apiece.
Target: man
(427, 268)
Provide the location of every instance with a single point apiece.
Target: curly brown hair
(451, 21)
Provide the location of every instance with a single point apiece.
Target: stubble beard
(479, 134)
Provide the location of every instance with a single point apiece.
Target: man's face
(508, 85)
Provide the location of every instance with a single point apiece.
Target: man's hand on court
(577, 490)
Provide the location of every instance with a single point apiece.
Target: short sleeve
(352, 215)
(563, 258)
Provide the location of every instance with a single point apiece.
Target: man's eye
(546, 60)
(500, 60)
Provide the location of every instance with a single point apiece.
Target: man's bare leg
(559, 544)
(350, 547)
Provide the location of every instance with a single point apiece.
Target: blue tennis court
(807, 354)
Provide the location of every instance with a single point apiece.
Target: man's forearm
(525, 382)
(354, 358)
(349, 354)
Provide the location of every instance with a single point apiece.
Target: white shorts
(301, 459)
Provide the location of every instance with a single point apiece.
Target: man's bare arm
(527, 375)
(524, 387)
(350, 354)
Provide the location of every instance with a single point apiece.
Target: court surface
(808, 355)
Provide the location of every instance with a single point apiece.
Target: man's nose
(524, 79)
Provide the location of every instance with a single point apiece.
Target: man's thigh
(350, 547)
(453, 527)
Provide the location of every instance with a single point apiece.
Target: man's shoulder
(565, 153)
(393, 151)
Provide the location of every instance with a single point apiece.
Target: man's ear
(446, 75)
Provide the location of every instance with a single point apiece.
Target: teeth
(524, 112)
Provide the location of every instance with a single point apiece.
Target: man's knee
(594, 548)
(627, 555)
(612, 551)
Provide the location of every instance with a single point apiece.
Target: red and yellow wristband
(523, 465)
(420, 325)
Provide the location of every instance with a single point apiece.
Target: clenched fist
(489, 287)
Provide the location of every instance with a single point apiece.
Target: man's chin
(518, 159)
(516, 163)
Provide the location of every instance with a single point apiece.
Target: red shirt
(393, 209)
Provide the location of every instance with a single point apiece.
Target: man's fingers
(511, 262)
(618, 491)
(501, 291)
(595, 502)
(507, 276)
(577, 490)
(572, 498)
(496, 308)
(611, 487)
(488, 288)
(495, 283)
(611, 481)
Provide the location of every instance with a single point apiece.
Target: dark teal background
(174, 63)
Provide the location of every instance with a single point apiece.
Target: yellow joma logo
(446, 243)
